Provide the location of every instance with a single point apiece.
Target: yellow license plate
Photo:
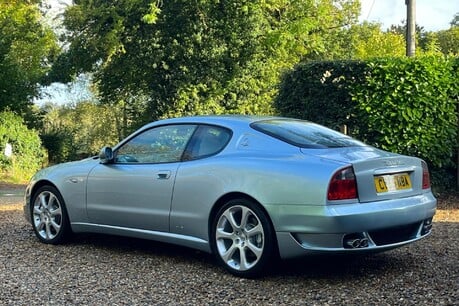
(392, 182)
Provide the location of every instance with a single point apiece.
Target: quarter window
(208, 140)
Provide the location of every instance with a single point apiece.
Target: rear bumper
(381, 225)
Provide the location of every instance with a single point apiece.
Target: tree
(187, 57)
(422, 36)
(455, 21)
(444, 42)
(27, 48)
(448, 40)
(72, 132)
(367, 40)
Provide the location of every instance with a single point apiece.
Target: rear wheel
(242, 238)
(49, 216)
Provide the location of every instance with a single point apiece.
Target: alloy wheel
(47, 215)
(240, 238)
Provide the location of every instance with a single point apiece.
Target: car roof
(224, 120)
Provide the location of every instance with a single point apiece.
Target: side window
(208, 140)
(164, 144)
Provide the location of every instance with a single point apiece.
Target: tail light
(425, 176)
(343, 185)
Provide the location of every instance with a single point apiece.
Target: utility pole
(410, 27)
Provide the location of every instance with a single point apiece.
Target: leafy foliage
(444, 42)
(71, 133)
(319, 91)
(152, 59)
(28, 154)
(448, 41)
(409, 107)
(455, 21)
(369, 41)
(363, 41)
(26, 49)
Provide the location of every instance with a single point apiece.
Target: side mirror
(106, 155)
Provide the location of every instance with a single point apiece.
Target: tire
(49, 216)
(242, 238)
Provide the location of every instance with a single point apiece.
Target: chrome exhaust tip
(355, 241)
(364, 242)
(426, 226)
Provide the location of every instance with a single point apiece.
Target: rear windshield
(304, 134)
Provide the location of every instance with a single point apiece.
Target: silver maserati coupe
(247, 189)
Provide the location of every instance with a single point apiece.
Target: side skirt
(183, 240)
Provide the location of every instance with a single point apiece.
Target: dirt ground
(447, 208)
(9, 186)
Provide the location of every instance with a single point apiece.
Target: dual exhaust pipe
(426, 226)
(361, 240)
(356, 243)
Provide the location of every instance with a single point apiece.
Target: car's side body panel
(131, 195)
(269, 181)
(71, 181)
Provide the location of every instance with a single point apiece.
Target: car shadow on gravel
(135, 246)
(421, 258)
(339, 266)
(313, 267)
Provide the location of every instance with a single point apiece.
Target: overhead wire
(371, 8)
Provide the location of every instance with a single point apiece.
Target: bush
(28, 155)
(319, 91)
(408, 106)
(60, 146)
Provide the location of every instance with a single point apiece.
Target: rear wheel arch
(233, 196)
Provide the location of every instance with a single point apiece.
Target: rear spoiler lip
(354, 155)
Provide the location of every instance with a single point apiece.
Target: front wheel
(242, 238)
(49, 216)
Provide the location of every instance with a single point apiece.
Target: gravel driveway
(106, 270)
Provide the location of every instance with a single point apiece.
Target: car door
(135, 191)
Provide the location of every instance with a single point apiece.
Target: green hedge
(319, 91)
(403, 105)
(28, 154)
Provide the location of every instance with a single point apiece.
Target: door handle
(163, 175)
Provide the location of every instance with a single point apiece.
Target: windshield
(304, 134)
